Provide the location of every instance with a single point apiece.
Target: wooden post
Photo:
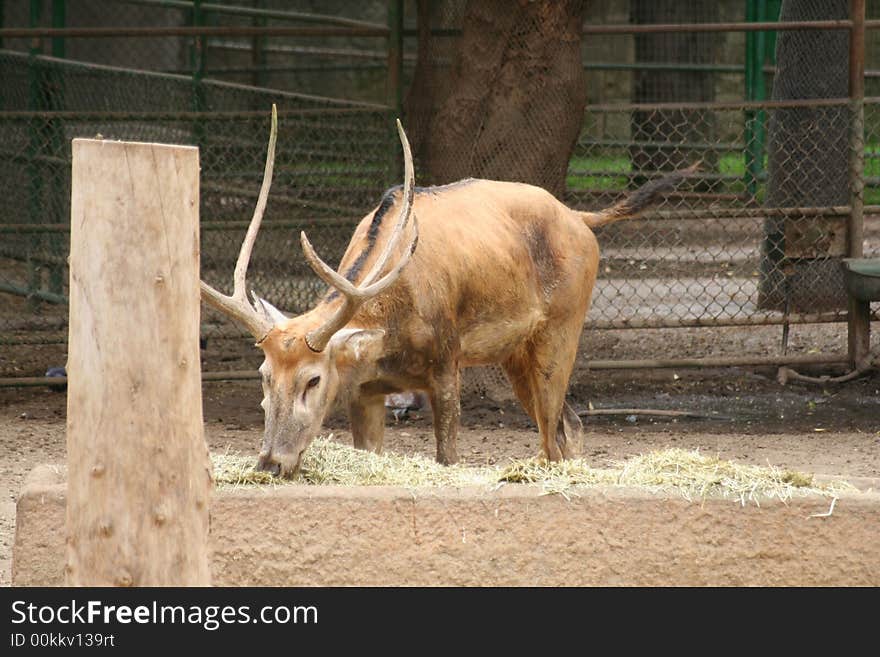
(859, 316)
(139, 479)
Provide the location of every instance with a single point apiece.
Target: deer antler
(254, 317)
(354, 296)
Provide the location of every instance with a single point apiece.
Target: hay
(696, 476)
(331, 462)
(674, 471)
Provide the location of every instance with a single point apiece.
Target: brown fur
(503, 274)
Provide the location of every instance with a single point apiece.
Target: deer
(474, 272)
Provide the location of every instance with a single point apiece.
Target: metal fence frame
(858, 318)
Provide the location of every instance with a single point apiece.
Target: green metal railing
(691, 264)
(47, 95)
(760, 48)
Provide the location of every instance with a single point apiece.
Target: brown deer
(503, 274)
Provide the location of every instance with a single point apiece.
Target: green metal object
(664, 66)
(760, 47)
(46, 177)
(58, 20)
(395, 55)
(258, 58)
(30, 293)
(53, 93)
(257, 11)
(36, 14)
(2, 24)
(35, 178)
(772, 14)
(860, 286)
(862, 278)
(197, 66)
(394, 81)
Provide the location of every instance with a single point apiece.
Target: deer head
(310, 357)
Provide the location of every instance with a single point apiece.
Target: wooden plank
(815, 237)
(139, 472)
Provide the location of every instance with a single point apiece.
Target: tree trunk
(808, 164)
(139, 476)
(512, 102)
(681, 132)
(431, 76)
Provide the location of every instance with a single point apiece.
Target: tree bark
(430, 77)
(808, 164)
(511, 105)
(139, 476)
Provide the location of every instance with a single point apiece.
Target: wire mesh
(729, 248)
(333, 161)
(759, 235)
(755, 238)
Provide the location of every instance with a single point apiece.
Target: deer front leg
(445, 401)
(367, 416)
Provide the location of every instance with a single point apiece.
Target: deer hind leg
(445, 396)
(367, 415)
(539, 375)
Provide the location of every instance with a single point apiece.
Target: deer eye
(315, 380)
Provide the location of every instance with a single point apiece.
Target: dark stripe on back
(388, 200)
(436, 189)
(372, 235)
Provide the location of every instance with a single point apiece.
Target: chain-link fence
(334, 159)
(333, 163)
(756, 238)
(730, 249)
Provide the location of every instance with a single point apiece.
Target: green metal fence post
(2, 24)
(58, 20)
(859, 315)
(54, 97)
(756, 51)
(34, 137)
(197, 65)
(258, 49)
(771, 13)
(394, 81)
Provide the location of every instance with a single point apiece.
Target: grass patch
(583, 174)
(689, 474)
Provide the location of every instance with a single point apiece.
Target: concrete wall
(332, 536)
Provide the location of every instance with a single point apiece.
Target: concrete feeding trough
(511, 534)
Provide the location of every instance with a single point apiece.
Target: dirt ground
(749, 417)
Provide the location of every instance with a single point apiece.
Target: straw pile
(330, 462)
(675, 471)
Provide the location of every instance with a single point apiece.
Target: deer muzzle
(286, 466)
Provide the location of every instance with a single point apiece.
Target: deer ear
(267, 309)
(355, 346)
